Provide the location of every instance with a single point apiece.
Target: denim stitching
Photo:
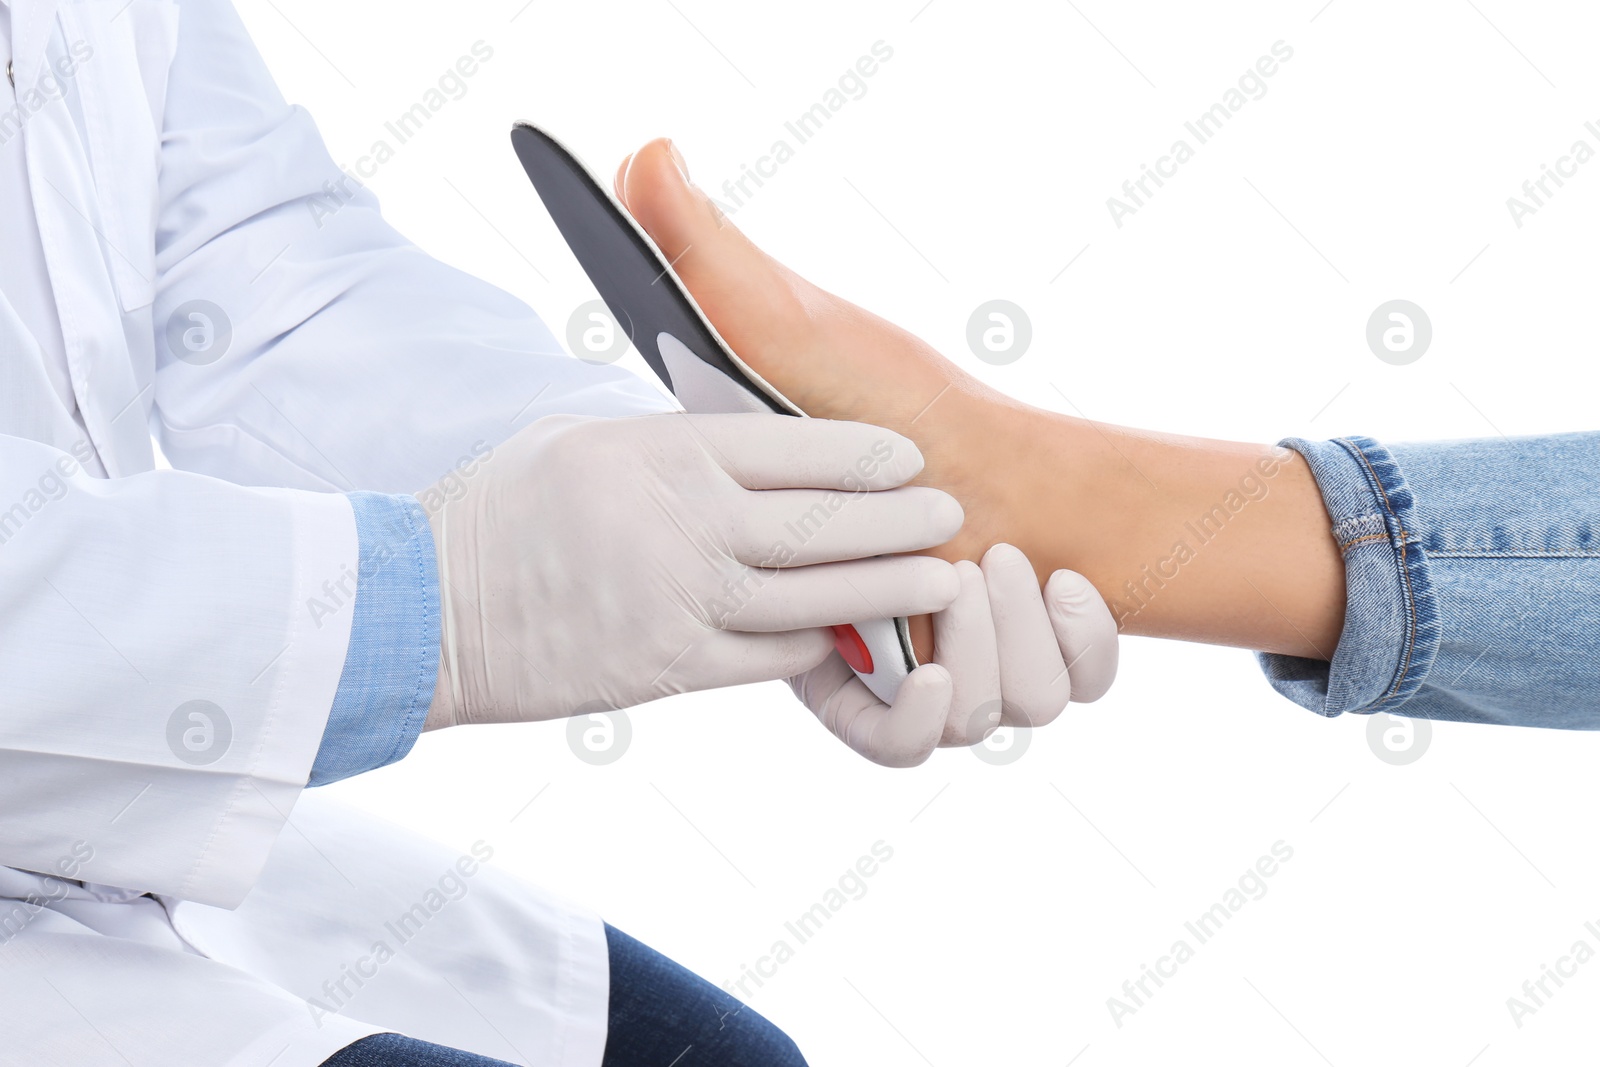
(1345, 546)
(1514, 555)
(1367, 522)
(407, 738)
(1405, 570)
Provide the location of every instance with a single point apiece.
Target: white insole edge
(703, 389)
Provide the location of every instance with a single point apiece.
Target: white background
(977, 165)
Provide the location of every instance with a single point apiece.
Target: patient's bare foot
(830, 357)
(1118, 505)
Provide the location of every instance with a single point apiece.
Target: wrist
(441, 712)
(441, 709)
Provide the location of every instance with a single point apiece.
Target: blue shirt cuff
(393, 659)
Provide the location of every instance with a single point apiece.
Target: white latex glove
(589, 564)
(1007, 655)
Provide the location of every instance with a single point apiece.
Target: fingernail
(1001, 554)
(619, 183)
(677, 157)
(946, 514)
(1068, 590)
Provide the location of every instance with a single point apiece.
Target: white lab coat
(160, 169)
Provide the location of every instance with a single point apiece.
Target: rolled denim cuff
(393, 659)
(1391, 624)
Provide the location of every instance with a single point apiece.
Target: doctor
(396, 505)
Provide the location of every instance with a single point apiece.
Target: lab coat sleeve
(352, 360)
(163, 682)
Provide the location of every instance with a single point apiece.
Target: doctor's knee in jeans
(397, 1050)
(659, 1014)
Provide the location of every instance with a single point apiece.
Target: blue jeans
(658, 1012)
(1472, 573)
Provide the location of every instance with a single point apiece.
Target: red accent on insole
(852, 648)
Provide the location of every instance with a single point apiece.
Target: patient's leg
(1113, 503)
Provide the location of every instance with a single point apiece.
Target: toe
(619, 184)
(758, 306)
(671, 209)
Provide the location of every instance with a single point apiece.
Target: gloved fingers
(717, 658)
(964, 642)
(900, 736)
(796, 527)
(794, 598)
(1035, 682)
(1085, 632)
(784, 452)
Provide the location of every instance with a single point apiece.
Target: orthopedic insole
(655, 310)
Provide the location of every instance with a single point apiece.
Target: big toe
(654, 185)
(748, 296)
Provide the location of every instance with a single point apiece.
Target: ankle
(1071, 490)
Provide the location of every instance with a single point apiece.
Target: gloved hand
(1004, 655)
(589, 564)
